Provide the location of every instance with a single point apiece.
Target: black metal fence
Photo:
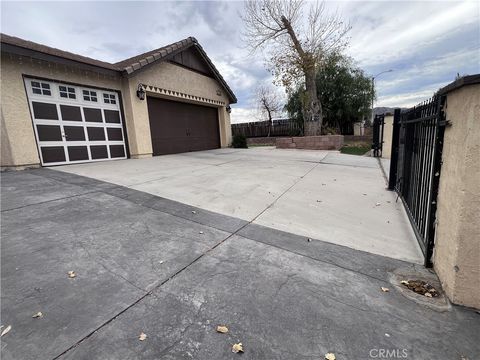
(415, 166)
(284, 127)
(377, 140)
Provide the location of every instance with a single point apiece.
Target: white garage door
(75, 124)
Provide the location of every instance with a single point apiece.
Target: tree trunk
(312, 108)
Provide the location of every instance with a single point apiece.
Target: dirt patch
(420, 287)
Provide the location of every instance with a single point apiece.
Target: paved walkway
(318, 194)
(146, 264)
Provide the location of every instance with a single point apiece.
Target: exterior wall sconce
(229, 109)
(141, 92)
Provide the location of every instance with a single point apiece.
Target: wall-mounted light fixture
(141, 92)
(229, 109)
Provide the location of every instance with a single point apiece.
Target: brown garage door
(180, 127)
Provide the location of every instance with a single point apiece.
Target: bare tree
(269, 104)
(296, 45)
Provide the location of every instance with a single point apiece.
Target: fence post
(392, 176)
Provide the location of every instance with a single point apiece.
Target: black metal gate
(377, 141)
(415, 166)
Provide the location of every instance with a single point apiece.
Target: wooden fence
(265, 128)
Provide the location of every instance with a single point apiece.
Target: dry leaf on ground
(142, 336)
(71, 274)
(222, 329)
(38, 315)
(236, 348)
(330, 356)
(6, 330)
(384, 289)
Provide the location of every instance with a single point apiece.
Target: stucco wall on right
(457, 244)
(387, 137)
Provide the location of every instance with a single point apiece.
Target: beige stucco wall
(18, 138)
(387, 137)
(18, 146)
(457, 244)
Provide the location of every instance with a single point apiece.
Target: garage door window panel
(71, 113)
(74, 133)
(112, 116)
(67, 92)
(114, 134)
(49, 133)
(53, 154)
(117, 151)
(77, 153)
(45, 111)
(99, 152)
(92, 115)
(41, 88)
(96, 133)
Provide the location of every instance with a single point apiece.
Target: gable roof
(127, 66)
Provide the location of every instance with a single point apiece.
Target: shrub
(239, 141)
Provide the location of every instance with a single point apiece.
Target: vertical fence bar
(392, 177)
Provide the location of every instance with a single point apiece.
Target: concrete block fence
(325, 142)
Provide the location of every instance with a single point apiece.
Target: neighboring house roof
(127, 66)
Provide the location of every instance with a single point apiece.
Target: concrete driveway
(318, 194)
(146, 264)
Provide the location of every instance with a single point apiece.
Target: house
(62, 108)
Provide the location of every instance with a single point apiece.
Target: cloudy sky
(425, 43)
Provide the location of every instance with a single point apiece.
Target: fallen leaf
(384, 289)
(6, 330)
(236, 348)
(404, 282)
(330, 356)
(37, 315)
(142, 336)
(222, 329)
(427, 294)
(71, 274)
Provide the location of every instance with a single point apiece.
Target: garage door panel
(53, 154)
(49, 133)
(45, 111)
(99, 152)
(180, 127)
(117, 151)
(77, 153)
(112, 117)
(74, 133)
(71, 128)
(92, 115)
(70, 113)
(114, 134)
(96, 133)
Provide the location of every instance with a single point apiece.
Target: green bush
(239, 141)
